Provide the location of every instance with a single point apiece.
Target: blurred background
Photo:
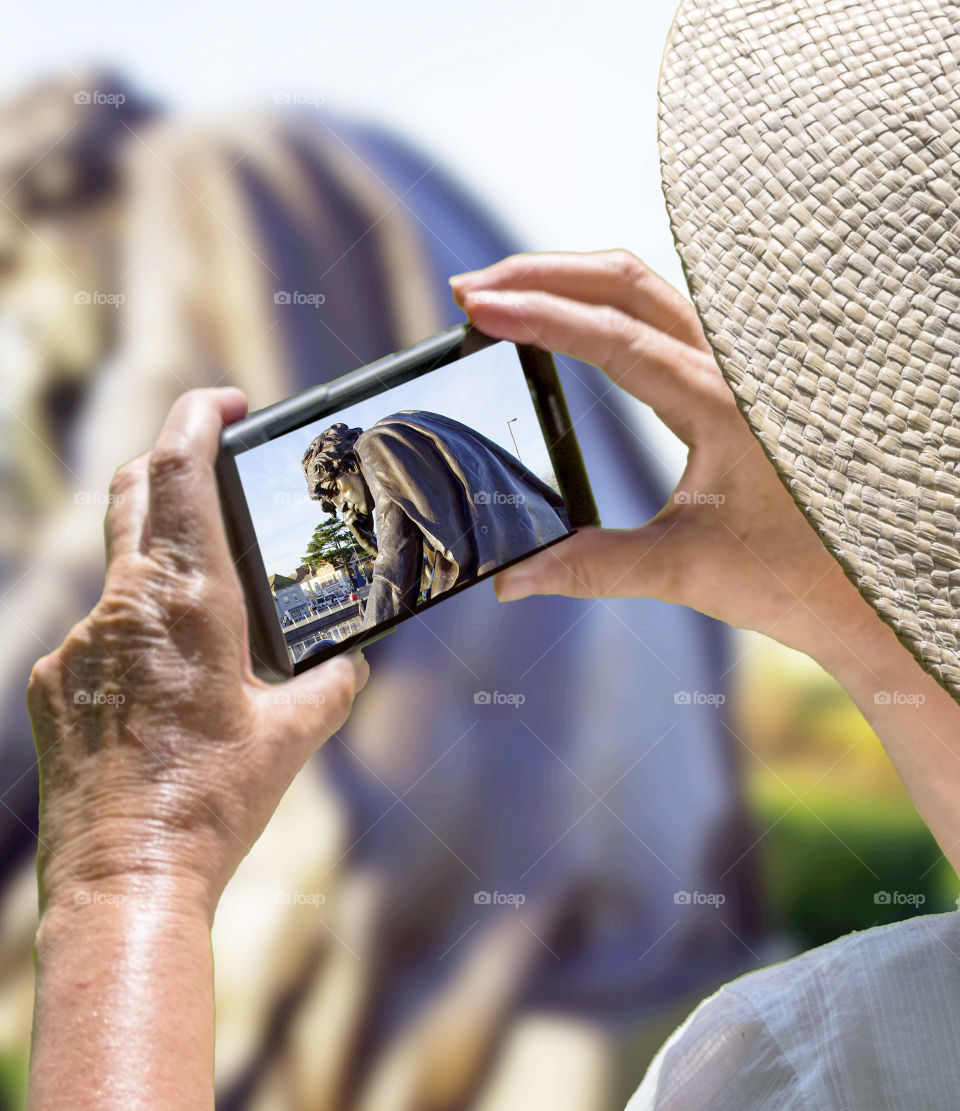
(459, 904)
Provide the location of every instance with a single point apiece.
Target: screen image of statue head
(370, 512)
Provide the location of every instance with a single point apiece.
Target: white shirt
(870, 1021)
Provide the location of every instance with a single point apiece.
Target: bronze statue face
(344, 490)
(354, 503)
(328, 457)
(352, 495)
(335, 479)
(319, 485)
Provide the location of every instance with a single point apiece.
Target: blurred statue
(60, 227)
(449, 504)
(141, 255)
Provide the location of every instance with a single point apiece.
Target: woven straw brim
(810, 155)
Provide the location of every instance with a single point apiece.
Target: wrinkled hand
(731, 542)
(161, 755)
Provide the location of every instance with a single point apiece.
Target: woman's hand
(731, 542)
(161, 755)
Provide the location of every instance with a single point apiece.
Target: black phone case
(268, 648)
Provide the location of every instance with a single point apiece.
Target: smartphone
(361, 502)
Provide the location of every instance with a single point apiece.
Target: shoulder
(395, 429)
(372, 438)
(716, 1059)
(387, 427)
(836, 1026)
(926, 947)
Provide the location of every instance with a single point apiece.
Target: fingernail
(461, 279)
(512, 587)
(493, 297)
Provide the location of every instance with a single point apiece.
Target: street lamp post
(514, 438)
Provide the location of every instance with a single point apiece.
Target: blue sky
(484, 391)
(546, 110)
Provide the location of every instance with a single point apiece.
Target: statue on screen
(435, 502)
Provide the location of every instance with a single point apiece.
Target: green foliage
(332, 542)
(836, 864)
(13, 1080)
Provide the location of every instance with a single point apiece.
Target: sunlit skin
(162, 757)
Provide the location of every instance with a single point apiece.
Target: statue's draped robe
(447, 495)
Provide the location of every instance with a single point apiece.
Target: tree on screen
(332, 542)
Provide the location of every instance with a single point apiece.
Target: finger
(184, 511)
(123, 526)
(680, 383)
(598, 563)
(304, 711)
(616, 278)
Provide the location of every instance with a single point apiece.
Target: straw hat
(810, 154)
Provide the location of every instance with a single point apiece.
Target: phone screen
(372, 512)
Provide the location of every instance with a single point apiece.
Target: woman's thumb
(317, 702)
